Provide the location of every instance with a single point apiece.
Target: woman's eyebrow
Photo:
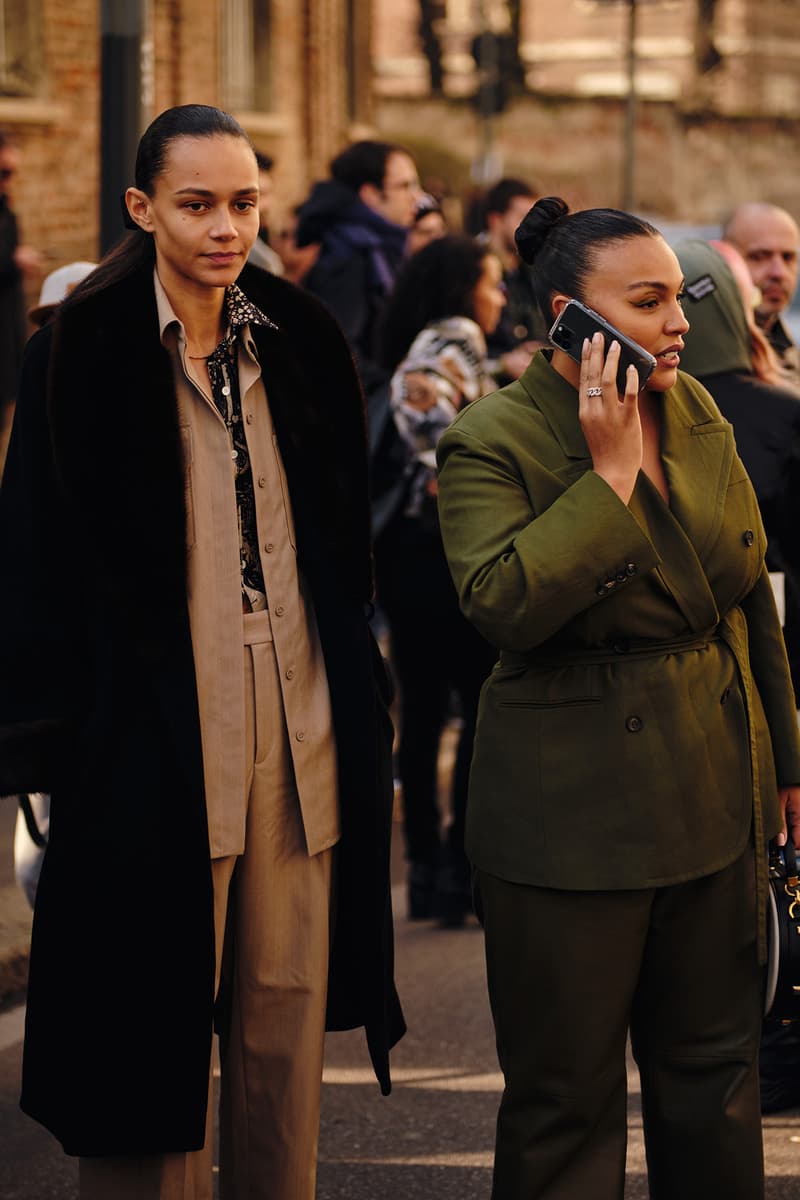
(198, 191)
(649, 283)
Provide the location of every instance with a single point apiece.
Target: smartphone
(577, 321)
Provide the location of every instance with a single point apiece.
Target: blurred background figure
(33, 817)
(767, 237)
(297, 260)
(360, 217)
(16, 261)
(447, 299)
(520, 331)
(429, 223)
(56, 287)
(727, 352)
(262, 254)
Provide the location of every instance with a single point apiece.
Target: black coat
(12, 305)
(766, 425)
(98, 706)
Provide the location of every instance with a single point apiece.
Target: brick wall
(56, 194)
(56, 197)
(688, 167)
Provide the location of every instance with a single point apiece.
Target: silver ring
(595, 391)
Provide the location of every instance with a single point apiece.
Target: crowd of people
(341, 423)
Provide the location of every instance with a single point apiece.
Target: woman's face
(488, 299)
(636, 284)
(203, 213)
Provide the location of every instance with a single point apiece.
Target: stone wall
(689, 167)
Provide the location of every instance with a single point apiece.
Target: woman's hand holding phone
(610, 421)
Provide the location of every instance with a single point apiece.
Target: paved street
(430, 1140)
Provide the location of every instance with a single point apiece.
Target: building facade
(717, 82)
(717, 86)
(295, 72)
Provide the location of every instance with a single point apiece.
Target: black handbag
(782, 999)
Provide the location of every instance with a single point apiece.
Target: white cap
(57, 286)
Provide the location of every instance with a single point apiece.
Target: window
(20, 50)
(247, 55)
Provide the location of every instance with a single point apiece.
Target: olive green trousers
(570, 975)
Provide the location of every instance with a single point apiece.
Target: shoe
(421, 879)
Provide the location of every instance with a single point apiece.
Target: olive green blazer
(632, 731)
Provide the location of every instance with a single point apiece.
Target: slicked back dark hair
(436, 282)
(137, 249)
(560, 246)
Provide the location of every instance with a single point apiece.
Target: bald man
(768, 239)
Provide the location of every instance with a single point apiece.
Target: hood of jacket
(335, 215)
(718, 339)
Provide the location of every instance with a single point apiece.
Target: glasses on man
(403, 185)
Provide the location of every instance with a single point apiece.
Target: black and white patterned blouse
(223, 375)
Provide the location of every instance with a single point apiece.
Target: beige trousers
(271, 920)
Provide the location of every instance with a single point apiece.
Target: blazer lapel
(697, 452)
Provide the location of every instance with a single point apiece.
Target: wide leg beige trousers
(271, 919)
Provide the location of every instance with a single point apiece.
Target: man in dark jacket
(361, 217)
(521, 330)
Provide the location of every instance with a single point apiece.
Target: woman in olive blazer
(631, 740)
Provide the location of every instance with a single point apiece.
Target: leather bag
(782, 999)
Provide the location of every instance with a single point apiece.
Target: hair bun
(535, 227)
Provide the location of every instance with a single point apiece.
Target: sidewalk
(433, 1137)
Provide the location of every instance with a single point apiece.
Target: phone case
(577, 321)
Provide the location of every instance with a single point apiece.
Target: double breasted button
(290, 673)
(249, 418)
(269, 547)
(300, 735)
(633, 724)
(262, 481)
(630, 569)
(748, 537)
(280, 610)
(621, 576)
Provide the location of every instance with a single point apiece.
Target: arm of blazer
(521, 574)
(771, 674)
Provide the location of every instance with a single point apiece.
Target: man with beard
(768, 239)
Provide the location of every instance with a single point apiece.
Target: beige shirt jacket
(215, 603)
